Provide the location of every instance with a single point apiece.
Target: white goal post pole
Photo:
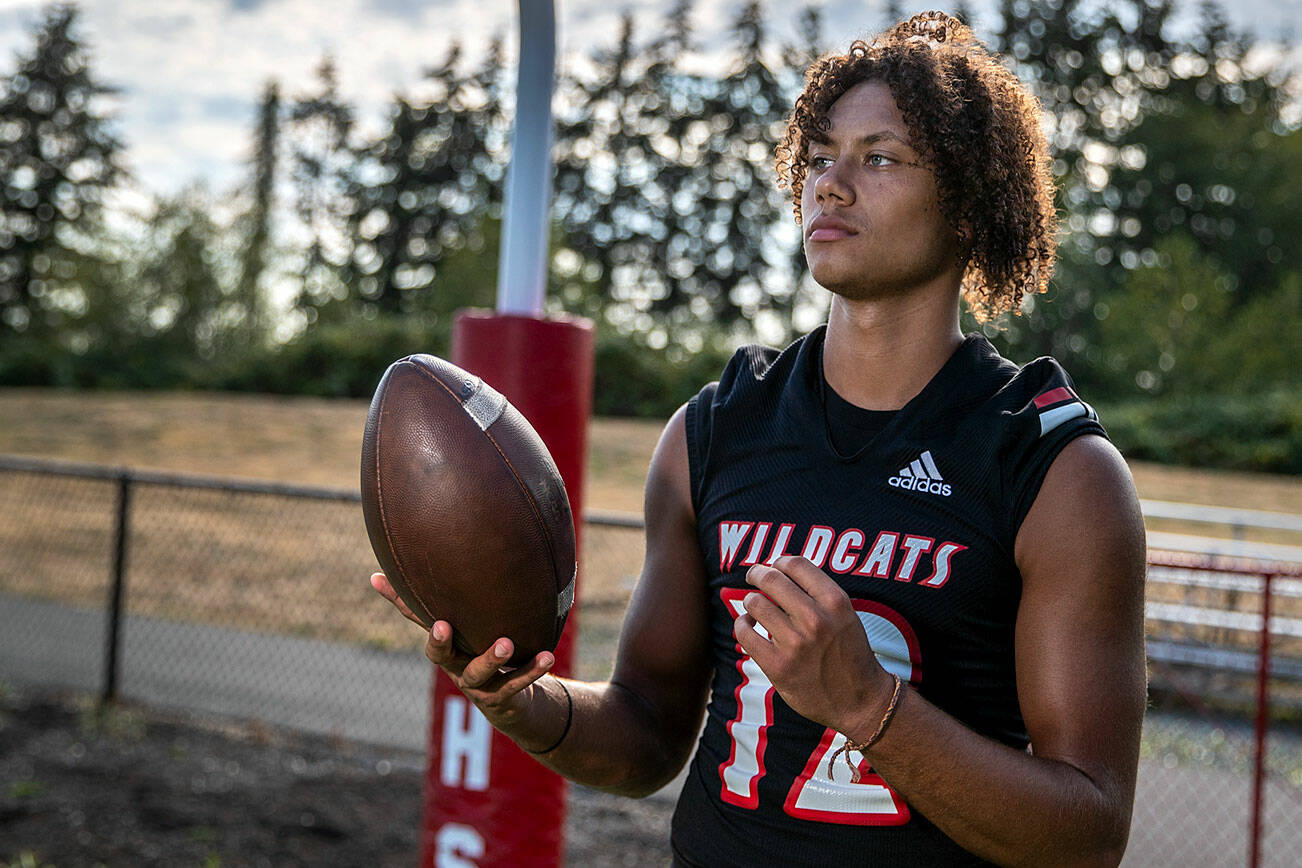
(522, 261)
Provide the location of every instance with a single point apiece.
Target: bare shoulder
(1087, 504)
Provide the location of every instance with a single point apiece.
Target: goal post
(486, 801)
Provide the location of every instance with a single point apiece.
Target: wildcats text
(897, 555)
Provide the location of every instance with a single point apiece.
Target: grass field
(314, 441)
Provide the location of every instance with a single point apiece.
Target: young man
(907, 575)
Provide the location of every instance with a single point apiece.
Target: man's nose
(832, 183)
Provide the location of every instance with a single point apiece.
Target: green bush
(633, 379)
(336, 360)
(1260, 432)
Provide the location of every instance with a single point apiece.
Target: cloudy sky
(190, 71)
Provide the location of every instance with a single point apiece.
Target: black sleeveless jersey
(918, 527)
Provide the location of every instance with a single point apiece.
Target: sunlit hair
(976, 127)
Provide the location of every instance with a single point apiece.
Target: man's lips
(830, 229)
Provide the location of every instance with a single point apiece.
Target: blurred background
(220, 221)
(172, 233)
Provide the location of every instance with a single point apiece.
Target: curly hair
(977, 129)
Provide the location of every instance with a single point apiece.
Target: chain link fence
(1220, 778)
(251, 600)
(235, 598)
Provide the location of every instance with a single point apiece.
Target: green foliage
(1259, 345)
(25, 361)
(633, 379)
(1150, 134)
(1225, 178)
(1178, 326)
(1157, 329)
(665, 178)
(25, 789)
(1252, 431)
(334, 360)
(431, 176)
(321, 169)
(28, 859)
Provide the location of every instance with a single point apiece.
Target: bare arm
(1080, 677)
(633, 733)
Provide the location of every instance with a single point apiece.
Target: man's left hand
(816, 653)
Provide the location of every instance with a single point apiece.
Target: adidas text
(913, 483)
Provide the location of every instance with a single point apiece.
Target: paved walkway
(351, 691)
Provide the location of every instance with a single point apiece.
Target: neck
(879, 353)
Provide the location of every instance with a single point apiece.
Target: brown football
(465, 509)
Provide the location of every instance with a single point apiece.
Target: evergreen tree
(59, 155)
(438, 169)
(808, 48)
(603, 212)
(250, 294)
(179, 287)
(674, 102)
(809, 304)
(484, 96)
(322, 170)
(665, 184)
(740, 267)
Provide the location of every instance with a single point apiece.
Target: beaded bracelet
(872, 739)
(569, 719)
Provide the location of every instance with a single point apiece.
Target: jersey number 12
(816, 794)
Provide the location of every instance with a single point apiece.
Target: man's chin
(855, 287)
(854, 290)
(839, 281)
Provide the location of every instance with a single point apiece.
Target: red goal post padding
(487, 802)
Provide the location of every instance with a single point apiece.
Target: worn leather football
(466, 510)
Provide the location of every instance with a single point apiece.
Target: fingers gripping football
(802, 630)
(497, 692)
(380, 582)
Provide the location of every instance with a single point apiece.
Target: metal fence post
(1263, 719)
(115, 592)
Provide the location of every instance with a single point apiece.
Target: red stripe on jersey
(1054, 396)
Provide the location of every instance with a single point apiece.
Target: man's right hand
(500, 693)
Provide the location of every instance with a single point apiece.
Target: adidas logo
(921, 475)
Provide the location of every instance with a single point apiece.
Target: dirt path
(140, 788)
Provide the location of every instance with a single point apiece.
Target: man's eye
(820, 164)
(880, 160)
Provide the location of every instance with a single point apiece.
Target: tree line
(1178, 160)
